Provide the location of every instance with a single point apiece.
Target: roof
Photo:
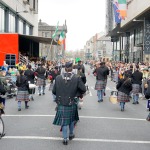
(39, 39)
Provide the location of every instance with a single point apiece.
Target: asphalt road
(101, 126)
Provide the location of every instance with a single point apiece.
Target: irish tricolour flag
(122, 4)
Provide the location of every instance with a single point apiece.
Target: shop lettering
(147, 38)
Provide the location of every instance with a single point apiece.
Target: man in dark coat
(80, 65)
(66, 88)
(101, 80)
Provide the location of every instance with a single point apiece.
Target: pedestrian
(101, 80)
(66, 88)
(136, 77)
(124, 88)
(30, 78)
(23, 90)
(41, 77)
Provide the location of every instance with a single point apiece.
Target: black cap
(68, 64)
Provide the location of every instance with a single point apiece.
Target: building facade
(19, 16)
(56, 51)
(131, 38)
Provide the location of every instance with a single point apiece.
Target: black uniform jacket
(66, 90)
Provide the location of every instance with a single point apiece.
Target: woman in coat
(30, 77)
(124, 88)
(23, 90)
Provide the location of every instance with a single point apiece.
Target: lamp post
(135, 20)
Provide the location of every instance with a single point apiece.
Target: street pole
(50, 47)
(143, 40)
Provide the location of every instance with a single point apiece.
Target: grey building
(130, 38)
(56, 51)
(19, 16)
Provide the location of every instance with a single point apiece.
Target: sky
(84, 18)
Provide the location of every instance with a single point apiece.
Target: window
(20, 30)
(27, 29)
(34, 4)
(138, 36)
(2, 20)
(11, 60)
(11, 22)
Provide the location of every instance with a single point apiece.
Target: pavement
(102, 126)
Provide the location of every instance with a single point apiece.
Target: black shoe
(101, 100)
(134, 103)
(43, 93)
(39, 94)
(122, 109)
(32, 99)
(19, 109)
(26, 107)
(71, 137)
(137, 102)
(65, 142)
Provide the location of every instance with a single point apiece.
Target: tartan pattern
(40, 82)
(135, 88)
(22, 96)
(122, 97)
(100, 85)
(65, 115)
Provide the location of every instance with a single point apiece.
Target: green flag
(56, 30)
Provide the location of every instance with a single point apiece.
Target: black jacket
(41, 72)
(129, 72)
(147, 94)
(137, 77)
(124, 86)
(22, 83)
(30, 75)
(67, 90)
(102, 73)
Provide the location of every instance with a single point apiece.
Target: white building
(19, 16)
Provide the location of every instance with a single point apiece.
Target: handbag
(113, 97)
(32, 86)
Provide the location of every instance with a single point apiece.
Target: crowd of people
(68, 84)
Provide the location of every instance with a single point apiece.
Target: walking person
(101, 80)
(124, 88)
(23, 90)
(66, 88)
(136, 84)
(30, 78)
(41, 77)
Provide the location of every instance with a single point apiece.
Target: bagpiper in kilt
(23, 90)
(101, 80)
(41, 77)
(136, 84)
(124, 88)
(66, 88)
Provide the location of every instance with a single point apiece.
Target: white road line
(90, 93)
(92, 87)
(85, 117)
(76, 139)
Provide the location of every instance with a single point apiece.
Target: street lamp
(135, 20)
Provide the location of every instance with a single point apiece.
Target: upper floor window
(12, 23)
(2, 20)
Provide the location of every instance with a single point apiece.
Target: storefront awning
(39, 39)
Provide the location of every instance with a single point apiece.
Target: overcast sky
(84, 18)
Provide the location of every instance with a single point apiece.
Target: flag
(61, 38)
(56, 30)
(116, 12)
(122, 8)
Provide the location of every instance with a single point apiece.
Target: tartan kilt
(40, 82)
(135, 88)
(100, 85)
(22, 96)
(122, 97)
(65, 115)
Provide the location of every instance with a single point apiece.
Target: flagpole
(50, 47)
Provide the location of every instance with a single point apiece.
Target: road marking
(85, 117)
(90, 93)
(75, 139)
(92, 87)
